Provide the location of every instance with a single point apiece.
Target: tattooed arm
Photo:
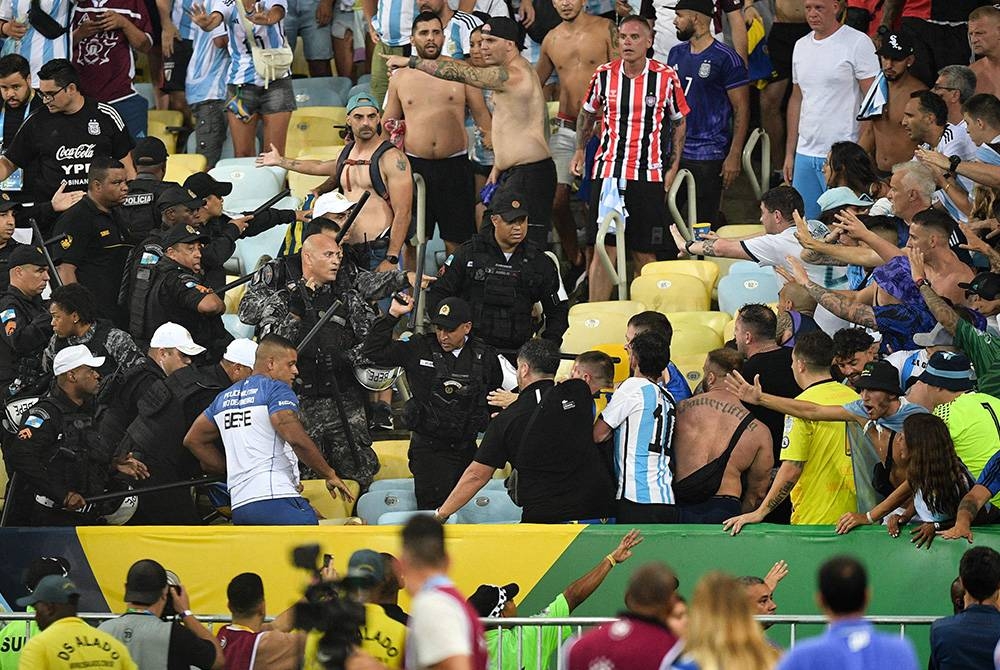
(399, 183)
(494, 77)
(585, 124)
(784, 481)
(783, 332)
(317, 168)
(968, 508)
(613, 48)
(719, 247)
(844, 307)
(819, 258)
(941, 310)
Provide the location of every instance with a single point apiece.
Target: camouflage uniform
(277, 302)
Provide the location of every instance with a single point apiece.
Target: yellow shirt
(826, 488)
(71, 643)
(382, 637)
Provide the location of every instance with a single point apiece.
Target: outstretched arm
(316, 168)
(801, 409)
(475, 477)
(784, 481)
(582, 588)
(493, 77)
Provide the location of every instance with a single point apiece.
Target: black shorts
(534, 184)
(647, 227)
(175, 68)
(630, 512)
(451, 197)
(780, 44)
(714, 510)
(154, 18)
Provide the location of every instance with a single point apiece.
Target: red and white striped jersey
(635, 114)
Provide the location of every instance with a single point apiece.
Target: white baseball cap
(175, 336)
(333, 202)
(74, 357)
(241, 352)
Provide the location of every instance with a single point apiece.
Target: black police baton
(53, 275)
(270, 203)
(116, 495)
(355, 211)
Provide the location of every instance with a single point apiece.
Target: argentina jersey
(180, 14)
(241, 69)
(642, 416)
(206, 74)
(457, 34)
(393, 21)
(34, 46)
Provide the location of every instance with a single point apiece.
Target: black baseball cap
(489, 599)
(175, 195)
(504, 28)
(145, 582)
(452, 313)
(203, 185)
(879, 376)
(706, 7)
(508, 207)
(181, 234)
(25, 254)
(149, 151)
(895, 46)
(7, 203)
(985, 284)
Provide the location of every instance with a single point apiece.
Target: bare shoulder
(393, 161)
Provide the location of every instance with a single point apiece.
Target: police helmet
(377, 379)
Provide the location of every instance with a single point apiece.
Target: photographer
(155, 643)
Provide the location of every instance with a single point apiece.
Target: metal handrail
(758, 135)
(421, 191)
(618, 276)
(692, 206)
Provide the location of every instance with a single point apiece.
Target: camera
(174, 584)
(330, 609)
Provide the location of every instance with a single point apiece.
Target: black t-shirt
(775, 370)
(187, 649)
(561, 476)
(96, 245)
(55, 147)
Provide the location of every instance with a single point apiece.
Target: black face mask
(43, 23)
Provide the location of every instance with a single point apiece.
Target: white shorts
(562, 146)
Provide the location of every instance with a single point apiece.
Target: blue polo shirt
(966, 640)
(851, 644)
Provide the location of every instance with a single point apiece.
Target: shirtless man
(885, 138)
(434, 136)
(574, 49)
(789, 25)
(714, 429)
(984, 34)
(385, 219)
(523, 166)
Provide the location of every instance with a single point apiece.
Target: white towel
(612, 200)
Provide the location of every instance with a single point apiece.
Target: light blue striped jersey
(180, 14)
(34, 46)
(394, 21)
(598, 7)
(206, 75)
(642, 415)
(241, 70)
(457, 33)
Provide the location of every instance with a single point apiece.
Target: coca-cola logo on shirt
(86, 151)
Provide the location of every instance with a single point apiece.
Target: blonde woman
(722, 633)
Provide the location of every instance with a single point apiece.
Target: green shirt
(549, 635)
(983, 349)
(13, 637)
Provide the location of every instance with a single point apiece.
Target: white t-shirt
(771, 250)
(915, 367)
(438, 629)
(828, 72)
(955, 141)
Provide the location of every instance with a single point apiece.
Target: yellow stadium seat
(670, 293)
(313, 126)
(301, 184)
(326, 152)
(563, 371)
(392, 458)
(706, 271)
(165, 124)
(692, 366)
(626, 308)
(621, 367)
(314, 490)
(182, 166)
(233, 297)
(694, 339)
(715, 320)
(729, 332)
(735, 230)
(586, 333)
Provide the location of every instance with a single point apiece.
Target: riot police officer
(172, 289)
(156, 436)
(58, 455)
(449, 374)
(139, 213)
(502, 275)
(26, 324)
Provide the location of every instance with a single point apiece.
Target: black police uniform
(26, 329)
(156, 437)
(119, 405)
(59, 450)
(448, 408)
(503, 291)
(139, 213)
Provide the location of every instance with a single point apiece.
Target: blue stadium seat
(374, 504)
(280, 174)
(250, 249)
(146, 90)
(400, 518)
(490, 506)
(743, 267)
(342, 86)
(318, 91)
(736, 290)
(250, 184)
(383, 484)
(364, 79)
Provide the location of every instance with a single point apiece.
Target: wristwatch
(186, 613)
(953, 162)
(922, 282)
(392, 259)
(687, 247)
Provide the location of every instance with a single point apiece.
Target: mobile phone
(327, 560)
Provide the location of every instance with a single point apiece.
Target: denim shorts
(300, 21)
(277, 98)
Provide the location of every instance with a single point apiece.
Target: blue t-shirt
(707, 78)
(990, 476)
(677, 385)
(851, 644)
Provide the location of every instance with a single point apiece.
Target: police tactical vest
(324, 356)
(138, 212)
(501, 294)
(455, 409)
(80, 456)
(144, 300)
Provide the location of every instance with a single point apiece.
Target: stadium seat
(360, 88)
(280, 173)
(742, 267)
(363, 79)
(626, 308)
(402, 483)
(165, 124)
(670, 293)
(694, 339)
(233, 296)
(236, 327)
(182, 166)
(301, 184)
(328, 507)
(251, 186)
(715, 320)
(250, 249)
(489, 506)
(734, 230)
(740, 289)
(706, 271)
(145, 89)
(323, 152)
(392, 459)
(316, 91)
(374, 504)
(312, 126)
(586, 333)
(621, 367)
(692, 366)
